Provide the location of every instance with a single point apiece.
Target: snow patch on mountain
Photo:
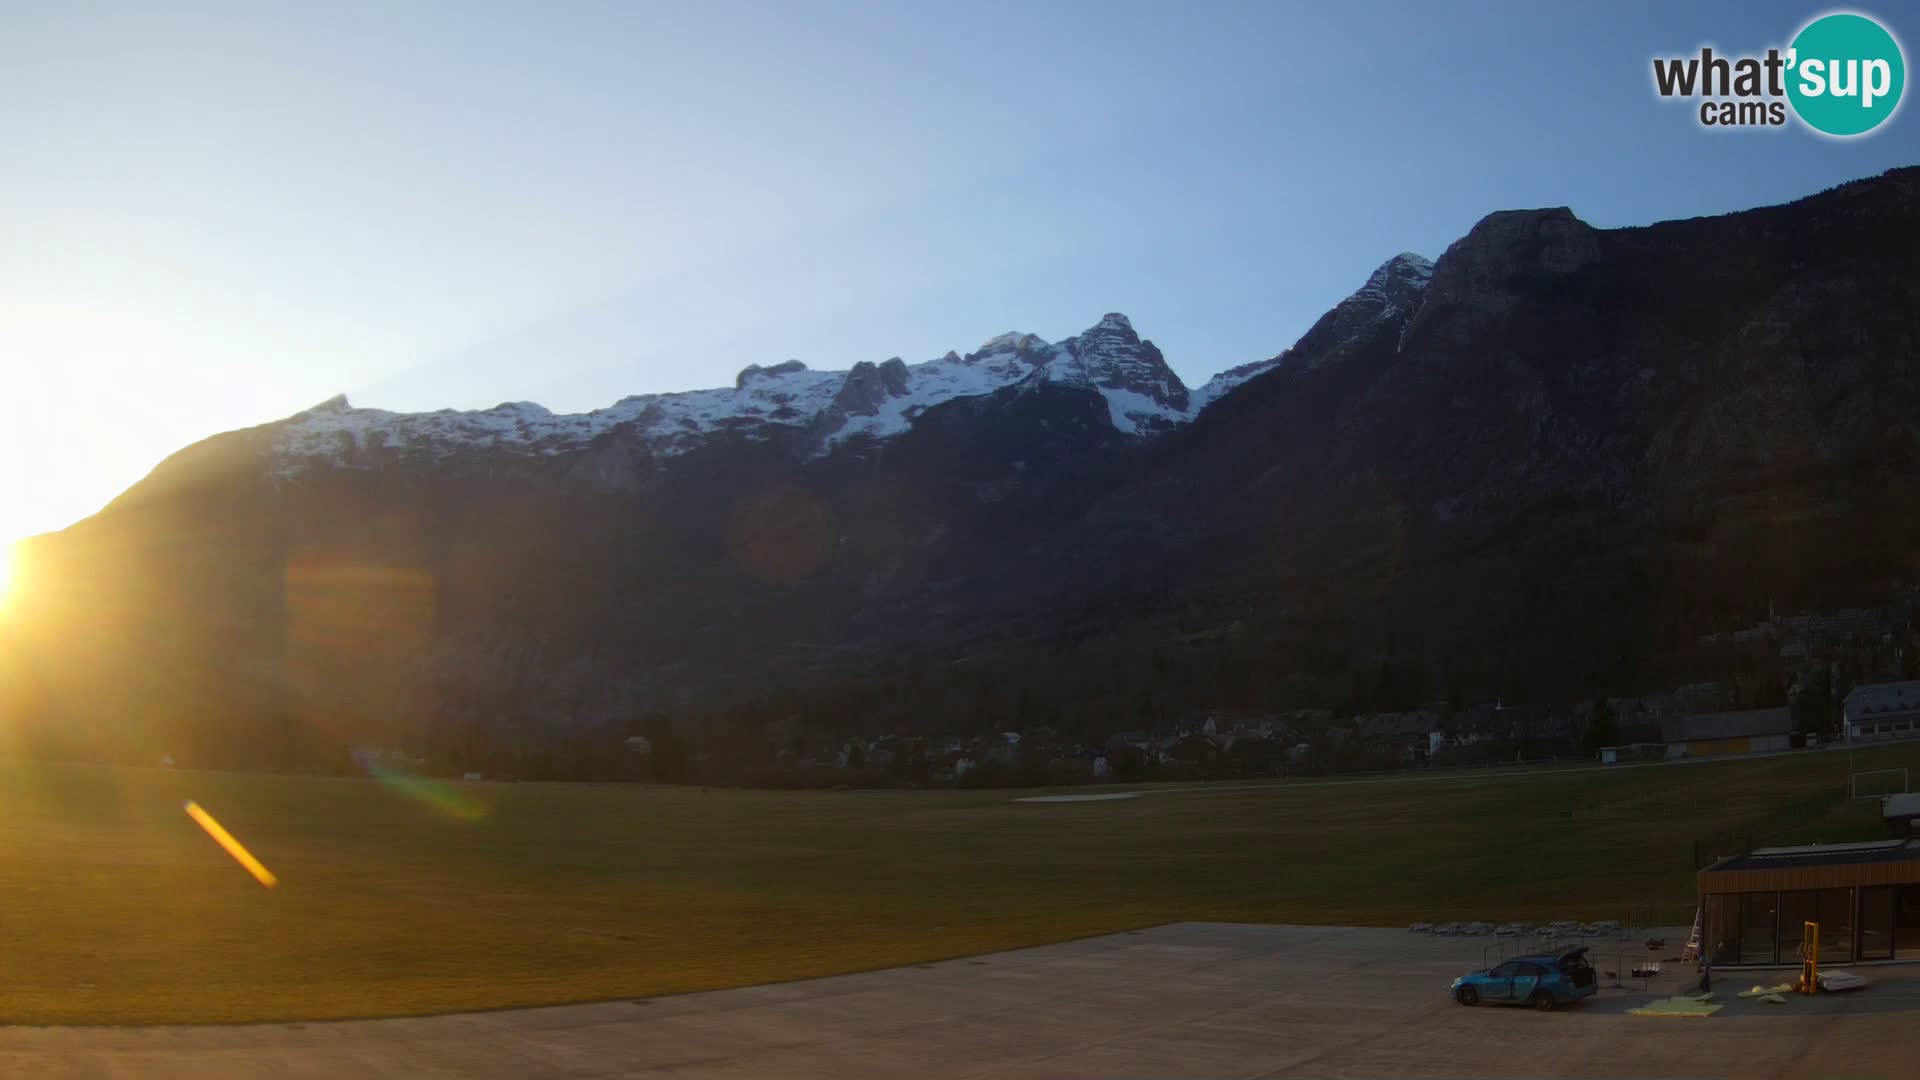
(1142, 393)
(1229, 380)
(783, 394)
(998, 364)
(1396, 288)
(1393, 291)
(1404, 268)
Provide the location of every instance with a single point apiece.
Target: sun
(9, 567)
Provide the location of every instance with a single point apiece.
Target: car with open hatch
(1544, 981)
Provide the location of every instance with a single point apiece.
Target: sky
(216, 215)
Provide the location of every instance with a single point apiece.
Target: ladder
(1692, 951)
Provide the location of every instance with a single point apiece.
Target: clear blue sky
(214, 215)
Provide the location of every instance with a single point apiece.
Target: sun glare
(8, 559)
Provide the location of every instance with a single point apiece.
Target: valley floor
(411, 896)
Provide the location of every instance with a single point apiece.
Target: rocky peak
(1111, 338)
(521, 408)
(1027, 346)
(755, 371)
(868, 386)
(894, 376)
(1114, 358)
(1514, 243)
(1129, 370)
(1400, 281)
(1478, 275)
(1393, 293)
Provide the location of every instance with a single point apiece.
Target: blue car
(1542, 982)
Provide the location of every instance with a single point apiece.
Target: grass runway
(409, 898)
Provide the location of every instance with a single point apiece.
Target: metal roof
(1728, 725)
(1864, 701)
(1783, 858)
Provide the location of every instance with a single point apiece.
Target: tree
(1254, 757)
(856, 756)
(1127, 763)
(669, 753)
(1814, 702)
(1602, 728)
(1035, 711)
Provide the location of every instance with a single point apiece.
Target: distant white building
(1880, 711)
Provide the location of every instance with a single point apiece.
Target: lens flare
(233, 847)
(443, 799)
(359, 640)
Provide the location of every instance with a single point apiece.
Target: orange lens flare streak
(233, 847)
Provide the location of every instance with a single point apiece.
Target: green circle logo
(1846, 73)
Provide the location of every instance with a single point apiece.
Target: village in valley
(1790, 682)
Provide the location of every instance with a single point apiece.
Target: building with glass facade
(1866, 898)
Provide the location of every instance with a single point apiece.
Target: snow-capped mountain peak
(1395, 289)
(1016, 342)
(1143, 394)
(832, 408)
(1403, 268)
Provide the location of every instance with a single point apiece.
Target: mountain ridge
(1145, 394)
(1544, 462)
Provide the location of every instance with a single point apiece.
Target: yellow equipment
(1809, 959)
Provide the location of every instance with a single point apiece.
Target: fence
(1621, 960)
(1628, 942)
